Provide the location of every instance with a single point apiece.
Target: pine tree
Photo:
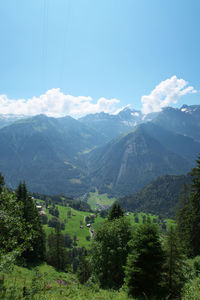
(109, 252)
(2, 182)
(183, 219)
(15, 233)
(115, 212)
(195, 203)
(144, 264)
(57, 254)
(33, 219)
(84, 271)
(174, 276)
(188, 215)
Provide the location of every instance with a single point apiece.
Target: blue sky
(82, 56)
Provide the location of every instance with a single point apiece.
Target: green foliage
(32, 218)
(67, 241)
(21, 229)
(109, 252)
(115, 212)
(144, 263)
(16, 234)
(57, 254)
(2, 182)
(54, 222)
(54, 211)
(84, 269)
(159, 197)
(188, 215)
(195, 204)
(44, 219)
(196, 264)
(44, 282)
(183, 219)
(191, 290)
(174, 266)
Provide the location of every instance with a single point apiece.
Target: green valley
(96, 200)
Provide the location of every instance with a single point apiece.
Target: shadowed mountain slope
(128, 163)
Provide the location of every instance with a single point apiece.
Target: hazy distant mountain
(9, 119)
(182, 145)
(185, 120)
(111, 126)
(128, 163)
(119, 154)
(45, 153)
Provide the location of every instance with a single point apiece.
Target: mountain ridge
(64, 155)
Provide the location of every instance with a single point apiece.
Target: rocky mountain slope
(128, 163)
(118, 154)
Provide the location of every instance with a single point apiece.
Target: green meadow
(102, 199)
(75, 219)
(44, 282)
(72, 224)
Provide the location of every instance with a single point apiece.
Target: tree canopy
(109, 252)
(188, 214)
(115, 212)
(32, 218)
(144, 264)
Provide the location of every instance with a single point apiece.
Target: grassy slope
(48, 285)
(72, 226)
(52, 285)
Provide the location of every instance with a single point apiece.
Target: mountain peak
(190, 108)
(129, 113)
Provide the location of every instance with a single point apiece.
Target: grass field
(77, 219)
(72, 224)
(101, 199)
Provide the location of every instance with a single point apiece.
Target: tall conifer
(174, 275)
(57, 254)
(188, 215)
(144, 264)
(32, 217)
(115, 212)
(195, 203)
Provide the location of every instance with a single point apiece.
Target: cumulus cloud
(56, 104)
(166, 93)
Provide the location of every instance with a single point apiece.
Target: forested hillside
(128, 163)
(160, 197)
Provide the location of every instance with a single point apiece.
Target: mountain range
(117, 154)
(160, 197)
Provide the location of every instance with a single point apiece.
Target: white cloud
(56, 104)
(165, 93)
